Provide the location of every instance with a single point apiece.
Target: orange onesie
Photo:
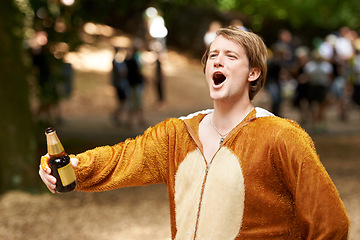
(265, 182)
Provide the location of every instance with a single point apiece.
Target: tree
(17, 139)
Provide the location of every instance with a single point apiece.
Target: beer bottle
(59, 163)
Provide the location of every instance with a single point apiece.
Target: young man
(234, 172)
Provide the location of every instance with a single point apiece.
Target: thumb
(44, 162)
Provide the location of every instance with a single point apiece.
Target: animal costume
(265, 181)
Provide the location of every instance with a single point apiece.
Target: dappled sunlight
(98, 56)
(90, 58)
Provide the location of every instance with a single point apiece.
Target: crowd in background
(326, 74)
(312, 78)
(127, 77)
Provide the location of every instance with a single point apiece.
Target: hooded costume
(265, 181)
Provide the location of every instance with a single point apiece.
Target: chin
(217, 97)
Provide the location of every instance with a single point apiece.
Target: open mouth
(218, 78)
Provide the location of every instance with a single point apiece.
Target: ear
(254, 74)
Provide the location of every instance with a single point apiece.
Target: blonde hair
(255, 49)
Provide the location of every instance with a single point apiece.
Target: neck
(226, 117)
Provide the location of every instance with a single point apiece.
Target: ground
(140, 213)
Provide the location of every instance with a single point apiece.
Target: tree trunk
(18, 162)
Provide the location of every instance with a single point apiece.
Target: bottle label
(67, 174)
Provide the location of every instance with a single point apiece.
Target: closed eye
(212, 56)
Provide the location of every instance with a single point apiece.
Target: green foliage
(319, 13)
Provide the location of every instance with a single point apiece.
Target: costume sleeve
(134, 162)
(319, 209)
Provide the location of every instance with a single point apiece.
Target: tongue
(218, 78)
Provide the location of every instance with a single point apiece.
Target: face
(227, 71)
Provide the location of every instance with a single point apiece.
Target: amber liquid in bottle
(59, 163)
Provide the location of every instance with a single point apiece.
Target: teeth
(218, 78)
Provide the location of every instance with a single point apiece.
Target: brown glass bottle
(59, 163)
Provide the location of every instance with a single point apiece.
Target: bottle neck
(54, 145)
(56, 149)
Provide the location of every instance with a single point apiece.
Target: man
(120, 82)
(234, 172)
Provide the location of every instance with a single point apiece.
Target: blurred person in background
(158, 32)
(211, 32)
(355, 80)
(232, 172)
(301, 99)
(285, 40)
(160, 82)
(343, 46)
(276, 68)
(238, 23)
(137, 87)
(120, 83)
(329, 51)
(159, 78)
(320, 75)
(338, 85)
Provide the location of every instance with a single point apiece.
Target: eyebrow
(226, 51)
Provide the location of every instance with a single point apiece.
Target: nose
(218, 61)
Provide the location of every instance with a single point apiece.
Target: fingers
(74, 162)
(45, 174)
(48, 179)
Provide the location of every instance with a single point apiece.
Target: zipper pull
(221, 141)
(207, 167)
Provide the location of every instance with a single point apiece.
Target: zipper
(201, 198)
(196, 139)
(208, 165)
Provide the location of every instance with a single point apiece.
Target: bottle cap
(49, 130)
